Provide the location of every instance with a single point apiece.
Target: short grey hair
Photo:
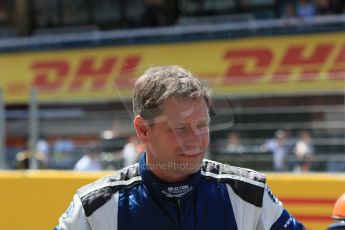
(159, 83)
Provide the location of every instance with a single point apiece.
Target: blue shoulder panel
(286, 221)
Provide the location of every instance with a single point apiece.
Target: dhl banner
(243, 66)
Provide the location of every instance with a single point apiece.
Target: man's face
(178, 140)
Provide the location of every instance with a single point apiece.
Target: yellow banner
(264, 65)
(46, 195)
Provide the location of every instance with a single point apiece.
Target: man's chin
(188, 164)
(191, 158)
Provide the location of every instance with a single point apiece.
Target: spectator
(304, 151)
(338, 214)
(290, 11)
(23, 158)
(305, 9)
(63, 148)
(130, 151)
(91, 161)
(234, 143)
(280, 147)
(43, 146)
(3, 15)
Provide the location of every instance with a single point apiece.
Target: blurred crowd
(91, 156)
(311, 8)
(288, 153)
(113, 14)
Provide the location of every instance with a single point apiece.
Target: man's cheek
(206, 139)
(174, 138)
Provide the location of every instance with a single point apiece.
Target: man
(173, 187)
(338, 214)
(23, 157)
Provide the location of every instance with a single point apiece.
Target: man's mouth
(190, 155)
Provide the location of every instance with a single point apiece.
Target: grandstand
(269, 71)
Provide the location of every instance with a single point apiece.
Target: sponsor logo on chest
(177, 191)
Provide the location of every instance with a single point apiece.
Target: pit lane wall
(313, 63)
(35, 199)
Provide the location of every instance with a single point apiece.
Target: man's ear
(141, 127)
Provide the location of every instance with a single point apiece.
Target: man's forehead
(183, 113)
(180, 119)
(180, 110)
(182, 116)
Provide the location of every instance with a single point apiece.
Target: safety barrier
(35, 199)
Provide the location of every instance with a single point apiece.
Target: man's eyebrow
(206, 120)
(173, 123)
(161, 118)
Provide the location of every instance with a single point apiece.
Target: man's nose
(194, 137)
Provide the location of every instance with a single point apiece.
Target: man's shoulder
(222, 172)
(246, 183)
(123, 178)
(96, 194)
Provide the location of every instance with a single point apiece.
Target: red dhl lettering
(296, 58)
(50, 75)
(98, 76)
(309, 66)
(237, 71)
(54, 74)
(245, 66)
(338, 68)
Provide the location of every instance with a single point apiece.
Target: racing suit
(219, 196)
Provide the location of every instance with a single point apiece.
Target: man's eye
(203, 125)
(181, 129)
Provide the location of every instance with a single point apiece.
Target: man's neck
(168, 176)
